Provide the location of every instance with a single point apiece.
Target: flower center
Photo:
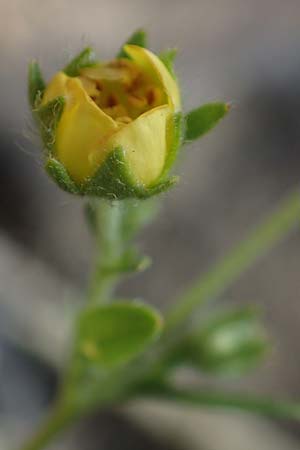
(121, 89)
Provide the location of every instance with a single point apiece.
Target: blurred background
(243, 52)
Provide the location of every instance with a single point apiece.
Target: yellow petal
(103, 72)
(82, 133)
(144, 142)
(152, 65)
(82, 130)
(56, 87)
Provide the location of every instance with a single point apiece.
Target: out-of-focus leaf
(114, 334)
(230, 344)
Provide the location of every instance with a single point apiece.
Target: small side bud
(231, 344)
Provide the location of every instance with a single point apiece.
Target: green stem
(225, 272)
(108, 216)
(101, 286)
(218, 400)
(55, 423)
(109, 238)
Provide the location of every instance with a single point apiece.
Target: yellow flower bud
(118, 126)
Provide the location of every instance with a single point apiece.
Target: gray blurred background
(245, 52)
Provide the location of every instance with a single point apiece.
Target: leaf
(168, 58)
(139, 37)
(203, 119)
(85, 58)
(114, 334)
(36, 84)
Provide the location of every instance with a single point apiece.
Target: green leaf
(230, 344)
(36, 84)
(114, 334)
(49, 116)
(85, 58)
(168, 58)
(139, 37)
(203, 119)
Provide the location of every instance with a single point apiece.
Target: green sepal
(139, 37)
(203, 119)
(168, 58)
(59, 174)
(49, 116)
(36, 84)
(86, 58)
(160, 187)
(114, 181)
(112, 335)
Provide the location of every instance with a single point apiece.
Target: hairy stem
(107, 217)
(276, 226)
(108, 227)
(227, 400)
(54, 424)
